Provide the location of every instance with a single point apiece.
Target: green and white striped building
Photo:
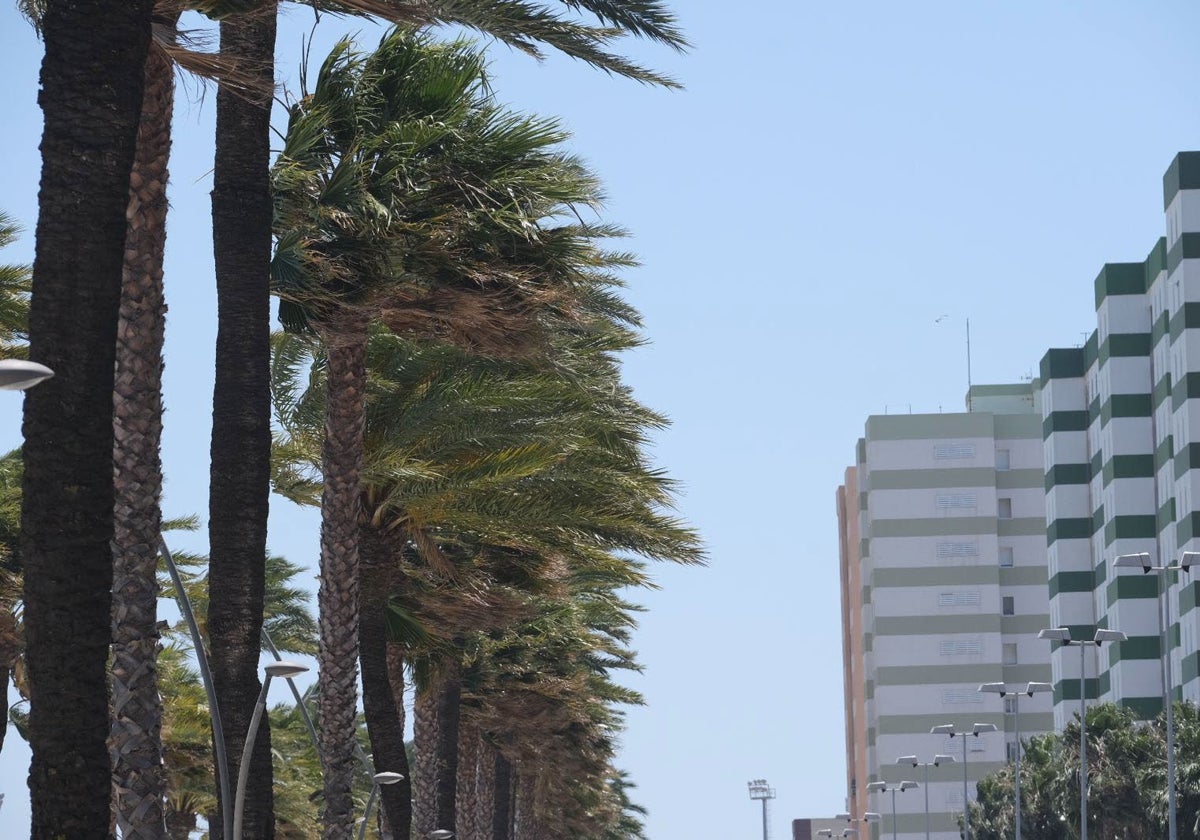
(1121, 423)
(952, 560)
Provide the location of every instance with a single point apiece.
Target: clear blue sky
(835, 177)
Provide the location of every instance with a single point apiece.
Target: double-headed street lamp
(938, 760)
(1063, 635)
(867, 817)
(1029, 690)
(833, 832)
(1142, 561)
(883, 787)
(975, 731)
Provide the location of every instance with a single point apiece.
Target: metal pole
(1083, 765)
(239, 802)
(362, 833)
(927, 800)
(214, 711)
(1164, 616)
(764, 804)
(1017, 772)
(966, 806)
(893, 814)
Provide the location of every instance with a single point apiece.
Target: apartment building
(1121, 428)
(943, 530)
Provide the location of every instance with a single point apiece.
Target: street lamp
(938, 760)
(1063, 635)
(975, 731)
(1003, 690)
(280, 668)
(829, 832)
(867, 817)
(882, 787)
(19, 374)
(760, 790)
(1142, 561)
(440, 834)
(385, 778)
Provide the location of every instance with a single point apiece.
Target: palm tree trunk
(10, 649)
(91, 97)
(180, 824)
(239, 483)
(526, 827)
(383, 679)
(135, 740)
(484, 805)
(503, 798)
(436, 715)
(466, 795)
(337, 596)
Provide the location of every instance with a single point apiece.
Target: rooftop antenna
(968, 365)
(759, 789)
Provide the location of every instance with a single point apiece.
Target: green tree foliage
(1127, 781)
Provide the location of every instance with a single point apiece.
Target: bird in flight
(940, 318)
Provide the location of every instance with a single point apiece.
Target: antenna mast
(968, 364)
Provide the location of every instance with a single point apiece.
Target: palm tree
(87, 155)
(242, 219)
(401, 191)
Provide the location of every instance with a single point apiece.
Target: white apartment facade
(951, 558)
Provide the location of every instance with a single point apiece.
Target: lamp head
(1056, 634)
(1038, 688)
(980, 728)
(388, 778)
(19, 374)
(871, 816)
(824, 832)
(440, 834)
(876, 787)
(1103, 636)
(845, 817)
(944, 729)
(1187, 559)
(994, 688)
(1141, 560)
(943, 759)
(284, 668)
(908, 786)
(908, 759)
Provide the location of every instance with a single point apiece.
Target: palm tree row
(1126, 778)
(66, 535)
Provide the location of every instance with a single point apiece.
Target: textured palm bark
(91, 98)
(239, 478)
(180, 824)
(383, 678)
(483, 805)
(425, 770)
(435, 730)
(525, 823)
(337, 595)
(503, 798)
(467, 790)
(135, 740)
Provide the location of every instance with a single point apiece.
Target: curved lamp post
(280, 668)
(976, 730)
(1003, 690)
(1063, 636)
(1142, 561)
(385, 778)
(882, 787)
(938, 760)
(19, 374)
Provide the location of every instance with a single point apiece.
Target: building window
(1006, 555)
(1002, 459)
(1007, 607)
(1010, 654)
(1004, 508)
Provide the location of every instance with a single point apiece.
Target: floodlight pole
(762, 791)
